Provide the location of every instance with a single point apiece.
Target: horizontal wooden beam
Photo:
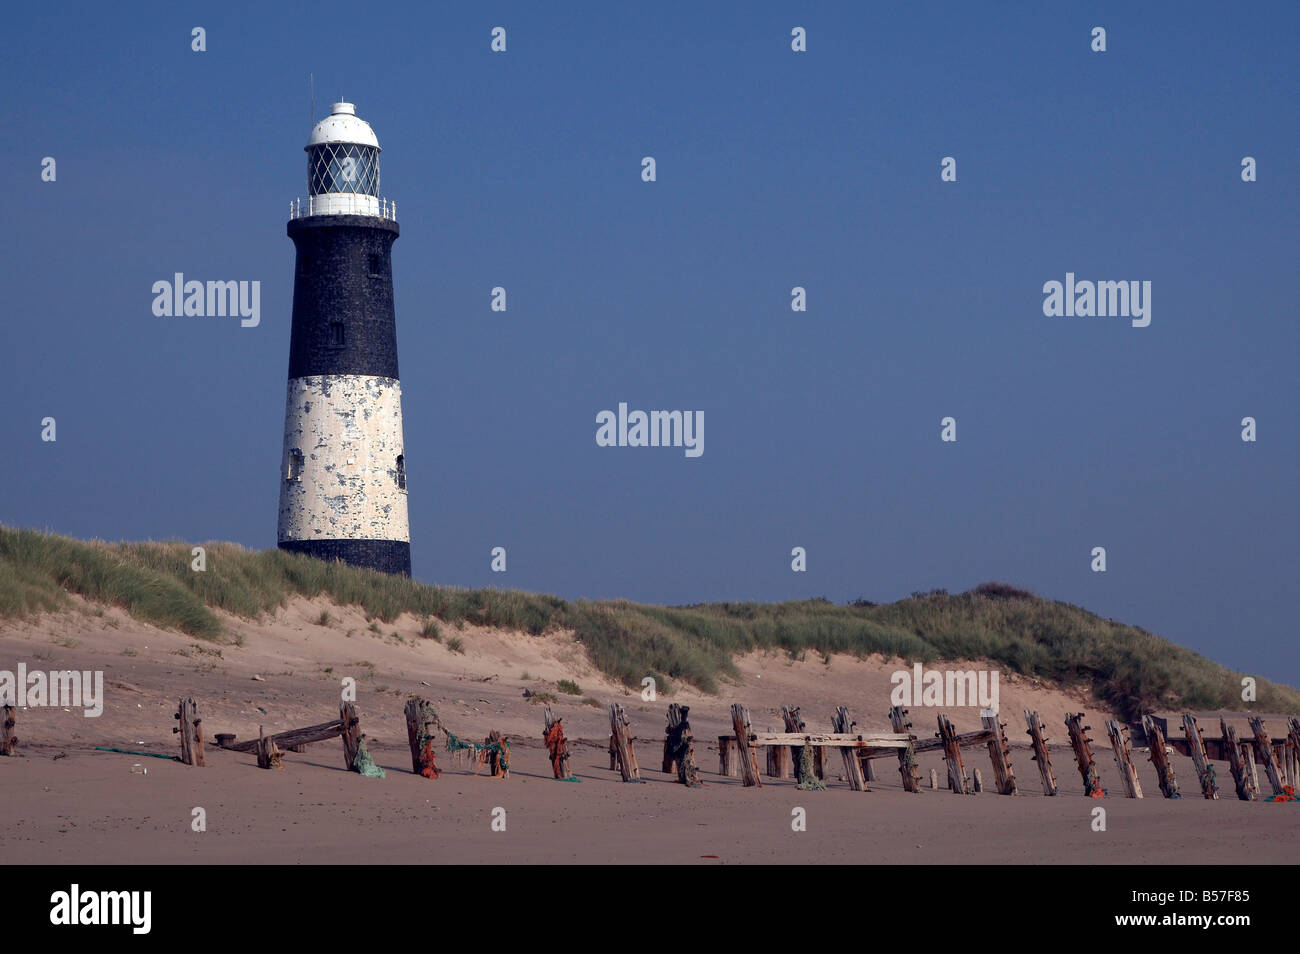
(292, 737)
(874, 740)
(978, 737)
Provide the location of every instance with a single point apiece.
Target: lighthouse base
(386, 556)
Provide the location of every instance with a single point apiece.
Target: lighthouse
(343, 473)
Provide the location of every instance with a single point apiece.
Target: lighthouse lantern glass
(336, 167)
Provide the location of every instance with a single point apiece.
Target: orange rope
(554, 739)
(426, 756)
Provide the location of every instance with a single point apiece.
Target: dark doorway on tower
(401, 472)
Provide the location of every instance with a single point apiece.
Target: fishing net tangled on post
(458, 747)
(1209, 781)
(555, 747)
(428, 716)
(809, 782)
(364, 764)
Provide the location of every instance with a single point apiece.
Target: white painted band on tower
(344, 468)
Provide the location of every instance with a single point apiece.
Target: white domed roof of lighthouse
(342, 125)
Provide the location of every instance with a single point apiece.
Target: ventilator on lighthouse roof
(343, 167)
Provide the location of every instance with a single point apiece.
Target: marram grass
(1129, 669)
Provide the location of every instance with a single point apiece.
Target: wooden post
(1232, 748)
(498, 761)
(619, 727)
(1293, 743)
(351, 732)
(748, 764)
(1265, 747)
(779, 761)
(1000, 755)
(680, 746)
(557, 746)
(952, 755)
(1248, 753)
(794, 723)
(1294, 738)
(770, 750)
(269, 755)
(727, 756)
(907, 768)
(421, 725)
(190, 732)
(674, 717)
(8, 720)
(1160, 758)
(1082, 746)
(840, 722)
(613, 753)
(1124, 758)
(1039, 740)
(1205, 773)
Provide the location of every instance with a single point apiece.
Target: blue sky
(775, 169)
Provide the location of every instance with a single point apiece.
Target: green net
(428, 716)
(455, 744)
(152, 755)
(364, 764)
(810, 782)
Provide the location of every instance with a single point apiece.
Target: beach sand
(65, 802)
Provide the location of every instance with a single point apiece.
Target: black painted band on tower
(343, 315)
(387, 556)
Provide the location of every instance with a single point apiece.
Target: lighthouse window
(304, 264)
(343, 167)
(401, 471)
(376, 266)
(295, 465)
(336, 334)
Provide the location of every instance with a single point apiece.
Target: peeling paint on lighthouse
(343, 471)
